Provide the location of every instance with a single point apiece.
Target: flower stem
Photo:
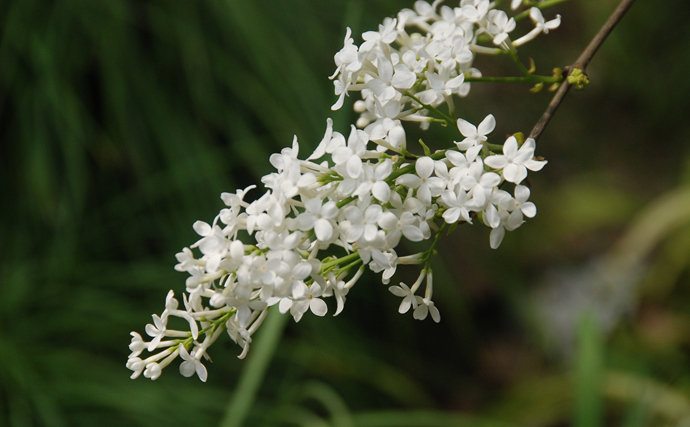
(433, 110)
(581, 63)
(255, 370)
(426, 258)
(524, 79)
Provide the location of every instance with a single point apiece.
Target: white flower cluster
(432, 66)
(322, 220)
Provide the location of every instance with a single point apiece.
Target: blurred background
(122, 121)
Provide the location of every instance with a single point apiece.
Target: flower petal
(510, 147)
(529, 209)
(487, 125)
(201, 371)
(496, 162)
(424, 167)
(412, 233)
(323, 229)
(381, 191)
(466, 128)
(318, 306)
(496, 237)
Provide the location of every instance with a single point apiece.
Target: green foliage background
(122, 121)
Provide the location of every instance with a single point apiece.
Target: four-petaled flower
(514, 162)
(191, 365)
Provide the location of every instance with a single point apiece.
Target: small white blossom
(514, 162)
(540, 26)
(409, 299)
(191, 365)
(475, 135)
(308, 299)
(425, 307)
(499, 25)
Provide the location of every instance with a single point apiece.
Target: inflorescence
(322, 220)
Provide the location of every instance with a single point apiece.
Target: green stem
(496, 148)
(349, 266)
(210, 329)
(410, 168)
(327, 266)
(514, 57)
(347, 201)
(253, 375)
(433, 110)
(428, 254)
(524, 79)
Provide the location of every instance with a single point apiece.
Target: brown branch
(581, 63)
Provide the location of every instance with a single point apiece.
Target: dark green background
(122, 121)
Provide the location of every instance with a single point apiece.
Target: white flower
(347, 58)
(540, 26)
(238, 334)
(475, 10)
(475, 135)
(282, 246)
(318, 217)
(185, 259)
(538, 18)
(156, 331)
(517, 207)
(262, 271)
(264, 213)
(386, 34)
(153, 371)
(406, 226)
(461, 164)
(425, 307)
(171, 310)
(341, 89)
(426, 185)
(514, 162)
(244, 304)
(499, 25)
(327, 145)
(350, 155)
(399, 78)
(440, 86)
(479, 183)
(213, 241)
(511, 211)
(137, 345)
(497, 234)
(374, 181)
(425, 10)
(340, 290)
(136, 365)
(412, 62)
(293, 285)
(459, 53)
(521, 203)
(191, 365)
(457, 206)
(362, 223)
(409, 299)
(386, 109)
(308, 299)
(388, 134)
(369, 249)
